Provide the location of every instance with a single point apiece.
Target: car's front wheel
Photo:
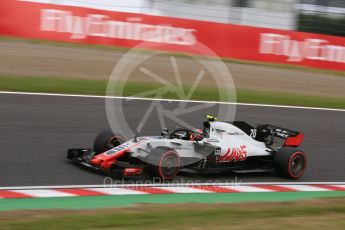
(290, 163)
(164, 163)
(106, 140)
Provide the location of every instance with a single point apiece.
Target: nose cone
(96, 161)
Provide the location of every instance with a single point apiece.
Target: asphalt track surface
(36, 131)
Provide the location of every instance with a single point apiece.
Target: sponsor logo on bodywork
(120, 147)
(236, 133)
(234, 154)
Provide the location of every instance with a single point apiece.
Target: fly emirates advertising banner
(91, 26)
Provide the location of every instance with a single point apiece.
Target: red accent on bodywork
(234, 154)
(105, 161)
(96, 161)
(294, 141)
(132, 171)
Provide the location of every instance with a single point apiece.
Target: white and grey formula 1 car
(218, 147)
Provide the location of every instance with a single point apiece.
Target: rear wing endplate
(292, 138)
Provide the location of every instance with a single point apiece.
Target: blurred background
(282, 52)
(319, 16)
(271, 39)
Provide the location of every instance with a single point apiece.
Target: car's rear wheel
(106, 140)
(164, 163)
(290, 163)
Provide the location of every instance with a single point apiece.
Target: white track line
(175, 100)
(44, 193)
(184, 189)
(230, 184)
(305, 188)
(116, 191)
(246, 188)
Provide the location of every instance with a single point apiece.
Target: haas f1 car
(218, 147)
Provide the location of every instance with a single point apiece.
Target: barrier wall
(91, 26)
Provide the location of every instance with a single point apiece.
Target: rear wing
(267, 133)
(292, 138)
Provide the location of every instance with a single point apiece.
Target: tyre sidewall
(283, 162)
(156, 158)
(103, 138)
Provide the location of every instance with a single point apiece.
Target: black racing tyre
(290, 162)
(106, 140)
(163, 162)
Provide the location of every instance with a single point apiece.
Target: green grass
(52, 85)
(98, 87)
(327, 213)
(95, 202)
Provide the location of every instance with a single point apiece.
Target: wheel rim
(297, 165)
(169, 166)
